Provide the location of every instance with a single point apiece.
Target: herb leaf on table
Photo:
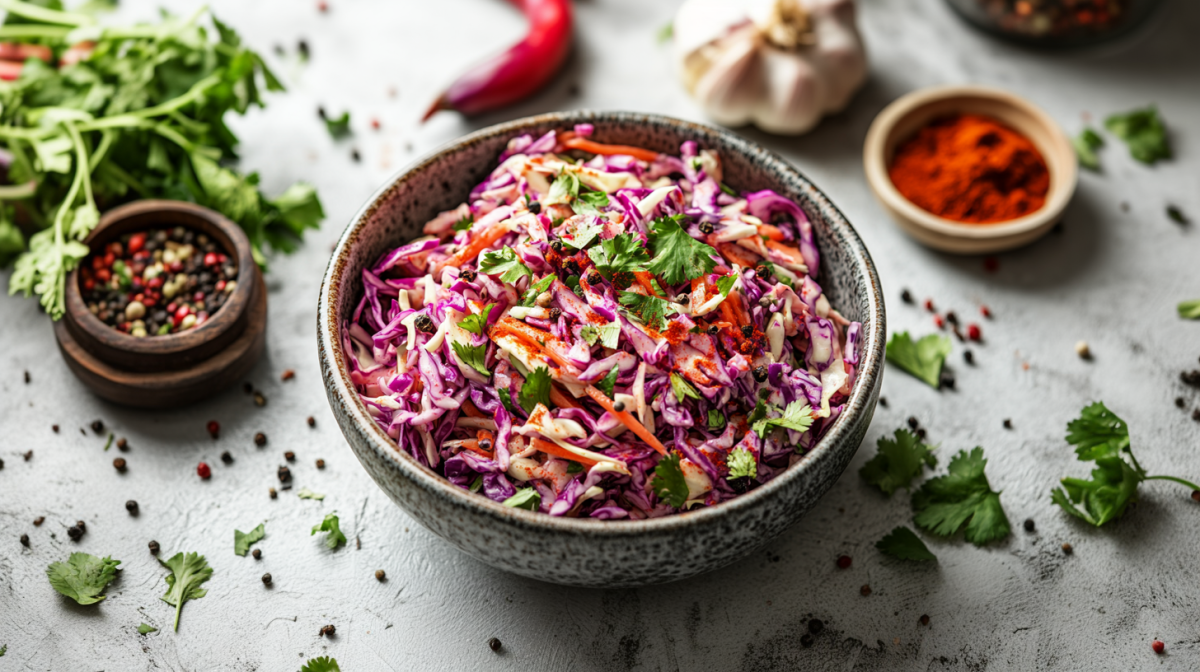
(1189, 310)
(83, 577)
(305, 493)
(332, 525)
(243, 540)
(923, 358)
(338, 127)
(1100, 436)
(1086, 144)
(963, 497)
(1143, 131)
(904, 544)
(678, 257)
(322, 664)
(144, 629)
(188, 572)
(668, 481)
(898, 462)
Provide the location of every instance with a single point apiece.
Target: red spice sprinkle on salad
(571, 339)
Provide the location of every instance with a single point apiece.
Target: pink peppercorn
(210, 259)
(1158, 646)
(203, 471)
(939, 321)
(929, 305)
(220, 285)
(214, 428)
(985, 311)
(843, 562)
(973, 332)
(375, 124)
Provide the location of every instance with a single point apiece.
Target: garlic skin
(779, 64)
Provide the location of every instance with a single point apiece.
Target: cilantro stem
(131, 118)
(83, 167)
(31, 30)
(1180, 481)
(31, 11)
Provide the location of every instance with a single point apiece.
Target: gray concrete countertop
(1111, 277)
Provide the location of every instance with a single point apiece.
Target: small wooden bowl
(172, 369)
(904, 117)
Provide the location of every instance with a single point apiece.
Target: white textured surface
(1111, 278)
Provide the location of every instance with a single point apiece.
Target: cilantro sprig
(338, 127)
(923, 358)
(623, 253)
(474, 356)
(1189, 310)
(741, 464)
(963, 497)
(1100, 436)
(668, 481)
(904, 544)
(477, 323)
(898, 462)
(322, 664)
(188, 572)
(504, 263)
(83, 577)
(651, 310)
(797, 415)
(1086, 144)
(535, 390)
(678, 257)
(333, 525)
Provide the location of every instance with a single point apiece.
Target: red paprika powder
(971, 168)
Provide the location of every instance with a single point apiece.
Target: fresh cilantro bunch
(963, 497)
(83, 577)
(1100, 436)
(623, 253)
(898, 462)
(923, 358)
(144, 112)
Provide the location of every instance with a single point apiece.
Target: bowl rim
(332, 358)
(1063, 178)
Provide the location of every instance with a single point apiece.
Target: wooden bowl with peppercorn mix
(168, 308)
(970, 169)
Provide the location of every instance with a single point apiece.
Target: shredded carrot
(786, 250)
(771, 231)
(575, 142)
(728, 313)
(551, 448)
(481, 241)
(473, 446)
(532, 336)
(560, 399)
(738, 255)
(626, 419)
(644, 279)
(469, 409)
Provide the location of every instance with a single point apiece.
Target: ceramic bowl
(588, 552)
(908, 114)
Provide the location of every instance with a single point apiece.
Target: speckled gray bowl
(586, 552)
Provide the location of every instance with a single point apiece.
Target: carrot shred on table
(574, 142)
(626, 419)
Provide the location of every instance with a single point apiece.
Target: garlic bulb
(779, 64)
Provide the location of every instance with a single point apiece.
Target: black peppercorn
(921, 434)
(968, 357)
(594, 279)
(806, 640)
(555, 313)
(557, 246)
(37, 522)
(248, 388)
(485, 444)
(328, 631)
(705, 227)
(468, 275)
(1179, 402)
(1196, 415)
(947, 379)
(122, 444)
(380, 575)
(97, 426)
(713, 330)
(815, 626)
(762, 271)
(285, 474)
(355, 156)
(132, 507)
(260, 439)
(1008, 423)
(27, 378)
(906, 296)
(494, 644)
(312, 422)
(571, 266)
(119, 464)
(747, 330)
(924, 619)
(74, 532)
(81, 525)
(425, 323)
(266, 579)
(25, 537)
(913, 423)
(320, 464)
(272, 492)
(760, 373)
(257, 554)
(535, 207)
(226, 457)
(619, 407)
(289, 456)
(951, 317)
(153, 547)
(883, 402)
(1029, 526)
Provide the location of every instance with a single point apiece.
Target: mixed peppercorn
(157, 282)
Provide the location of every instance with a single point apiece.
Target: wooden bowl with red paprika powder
(970, 169)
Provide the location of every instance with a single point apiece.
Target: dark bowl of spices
(169, 306)
(1056, 24)
(970, 169)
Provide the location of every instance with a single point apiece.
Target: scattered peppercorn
(913, 423)
(27, 378)
(1195, 497)
(97, 426)
(928, 305)
(467, 275)
(257, 554)
(747, 330)
(37, 522)
(122, 444)
(132, 507)
(328, 631)
(494, 644)
(284, 474)
(985, 311)
(289, 456)
(969, 357)
(1029, 526)
(865, 590)
(1067, 548)
(259, 399)
(28, 455)
(619, 406)
(153, 547)
(288, 374)
(555, 313)
(74, 532)
(380, 575)
(312, 422)
(1190, 378)
(951, 317)
(1008, 423)
(214, 429)
(762, 271)
(1179, 402)
(924, 619)
(248, 388)
(760, 373)
(81, 525)
(320, 463)
(705, 227)
(806, 641)
(974, 333)
(535, 207)
(921, 433)
(557, 246)
(260, 439)
(425, 323)
(1158, 646)
(119, 464)
(204, 471)
(713, 330)
(843, 562)
(266, 579)
(947, 379)
(55, 428)
(226, 457)
(1082, 349)
(883, 402)
(815, 626)
(906, 296)
(594, 279)
(355, 156)
(25, 537)
(272, 492)
(1196, 415)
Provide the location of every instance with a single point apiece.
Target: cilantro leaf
(904, 544)
(526, 498)
(651, 310)
(332, 525)
(590, 202)
(609, 382)
(580, 234)
(682, 388)
(666, 33)
(506, 400)
(963, 496)
(536, 390)
(677, 256)
(305, 493)
(1189, 310)
(668, 481)
(922, 359)
(183, 583)
(1144, 133)
(535, 290)
(1113, 486)
(797, 416)
(3, 650)
(725, 284)
(144, 629)
(608, 335)
(1097, 432)
(741, 464)
(477, 323)
(1086, 144)
(716, 420)
(474, 356)
(338, 127)
(464, 223)
(504, 263)
(83, 577)
(623, 253)
(564, 189)
(243, 540)
(898, 461)
(322, 664)
(477, 484)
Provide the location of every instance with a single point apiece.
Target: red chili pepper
(518, 72)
